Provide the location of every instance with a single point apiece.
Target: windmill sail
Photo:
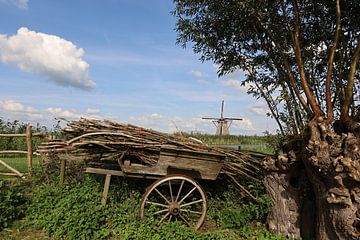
(222, 124)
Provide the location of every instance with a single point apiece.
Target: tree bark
(329, 167)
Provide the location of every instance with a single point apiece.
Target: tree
(310, 51)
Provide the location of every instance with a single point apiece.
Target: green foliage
(12, 203)
(72, 210)
(231, 212)
(258, 232)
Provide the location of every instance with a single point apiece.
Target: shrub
(12, 203)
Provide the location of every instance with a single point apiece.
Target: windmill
(222, 124)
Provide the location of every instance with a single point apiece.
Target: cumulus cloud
(13, 109)
(57, 59)
(71, 114)
(22, 4)
(60, 113)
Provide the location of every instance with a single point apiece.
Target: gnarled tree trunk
(321, 173)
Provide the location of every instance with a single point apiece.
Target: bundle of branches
(106, 140)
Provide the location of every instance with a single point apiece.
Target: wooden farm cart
(175, 195)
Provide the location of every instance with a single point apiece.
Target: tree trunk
(328, 170)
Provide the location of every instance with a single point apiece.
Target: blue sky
(115, 60)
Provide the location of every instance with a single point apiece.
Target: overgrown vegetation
(73, 211)
(12, 203)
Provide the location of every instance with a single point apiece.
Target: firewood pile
(103, 140)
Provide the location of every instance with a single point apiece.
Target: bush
(73, 210)
(12, 203)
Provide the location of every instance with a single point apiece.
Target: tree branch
(329, 105)
(350, 83)
(286, 64)
(299, 61)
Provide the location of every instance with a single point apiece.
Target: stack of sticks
(101, 140)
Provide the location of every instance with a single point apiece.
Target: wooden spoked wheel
(175, 198)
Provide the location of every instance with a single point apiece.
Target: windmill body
(222, 124)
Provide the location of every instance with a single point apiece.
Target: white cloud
(57, 59)
(11, 106)
(22, 4)
(16, 110)
(236, 84)
(198, 74)
(259, 110)
(60, 113)
(245, 124)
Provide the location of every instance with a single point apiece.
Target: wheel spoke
(171, 193)
(157, 204)
(191, 203)
(178, 194)
(190, 211)
(163, 218)
(160, 211)
(162, 195)
(175, 198)
(186, 195)
(182, 218)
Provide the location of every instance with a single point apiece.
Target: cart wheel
(175, 198)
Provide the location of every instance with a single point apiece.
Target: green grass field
(19, 163)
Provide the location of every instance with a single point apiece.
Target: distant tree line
(18, 127)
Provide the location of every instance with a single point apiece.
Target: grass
(18, 162)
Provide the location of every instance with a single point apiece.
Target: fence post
(29, 148)
(62, 170)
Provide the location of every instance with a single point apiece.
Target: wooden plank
(104, 171)
(13, 152)
(12, 169)
(106, 189)
(157, 169)
(29, 148)
(119, 173)
(208, 169)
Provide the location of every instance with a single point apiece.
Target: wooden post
(62, 170)
(106, 189)
(29, 148)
